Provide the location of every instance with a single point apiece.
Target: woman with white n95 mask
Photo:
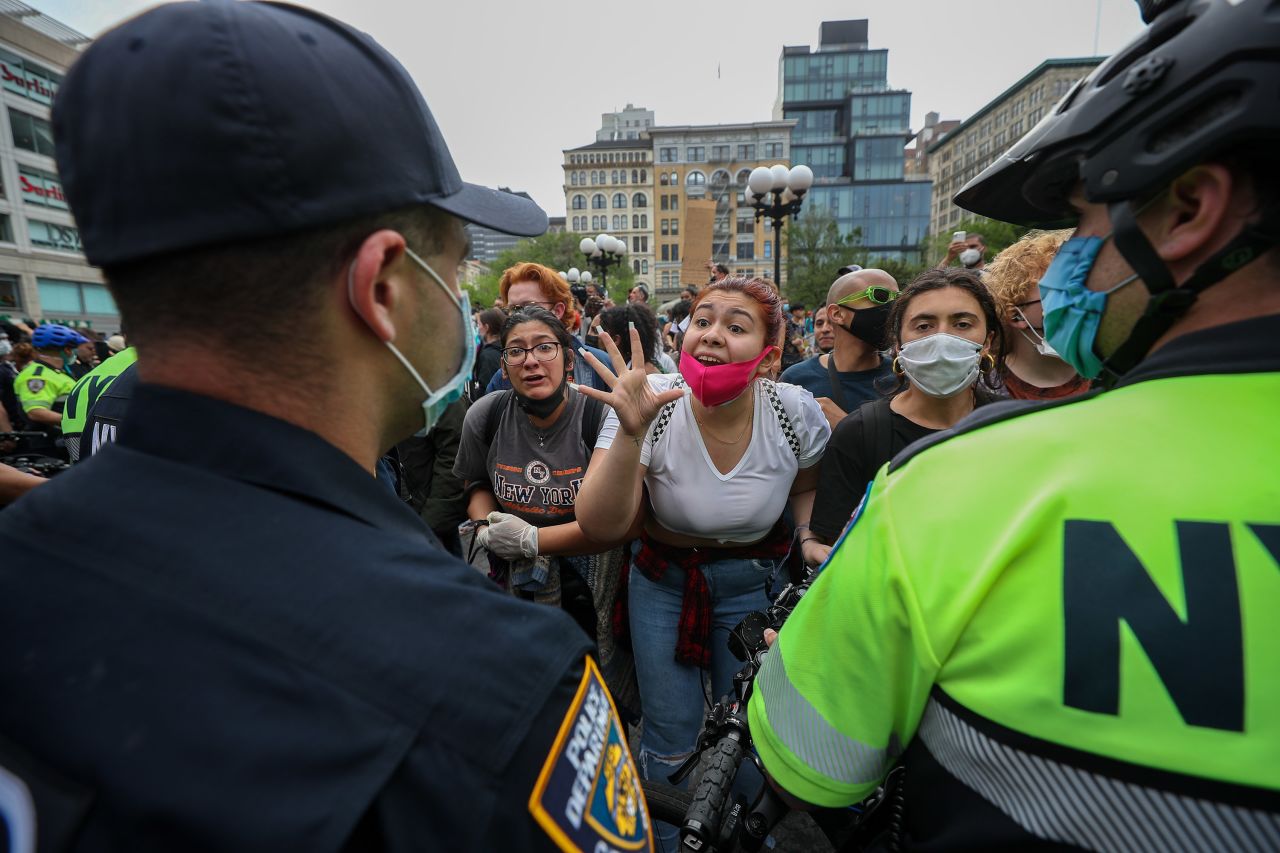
(945, 332)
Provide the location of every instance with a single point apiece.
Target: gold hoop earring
(992, 359)
(897, 368)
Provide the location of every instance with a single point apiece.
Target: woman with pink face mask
(719, 449)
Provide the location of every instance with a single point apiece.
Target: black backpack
(592, 420)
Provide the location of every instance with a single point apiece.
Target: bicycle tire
(666, 802)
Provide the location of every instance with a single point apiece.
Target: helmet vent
(1202, 116)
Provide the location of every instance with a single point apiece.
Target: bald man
(851, 374)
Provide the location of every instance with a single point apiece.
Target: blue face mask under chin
(451, 391)
(1073, 312)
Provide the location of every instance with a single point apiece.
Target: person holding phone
(969, 248)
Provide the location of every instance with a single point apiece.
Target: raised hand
(629, 394)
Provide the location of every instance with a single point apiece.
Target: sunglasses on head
(876, 293)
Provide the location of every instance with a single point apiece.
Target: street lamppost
(788, 187)
(603, 252)
(574, 277)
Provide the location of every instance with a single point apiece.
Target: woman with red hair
(719, 449)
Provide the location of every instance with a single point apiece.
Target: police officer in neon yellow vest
(1086, 652)
(83, 397)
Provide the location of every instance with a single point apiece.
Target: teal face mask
(451, 391)
(1073, 312)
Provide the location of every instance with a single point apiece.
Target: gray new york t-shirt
(535, 474)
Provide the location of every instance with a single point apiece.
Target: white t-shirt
(690, 496)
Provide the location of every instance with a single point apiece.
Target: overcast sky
(514, 83)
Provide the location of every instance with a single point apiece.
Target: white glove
(509, 537)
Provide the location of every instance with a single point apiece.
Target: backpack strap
(877, 430)
(775, 401)
(665, 414)
(493, 417)
(592, 421)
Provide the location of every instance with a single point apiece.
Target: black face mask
(544, 407)
(868, 324)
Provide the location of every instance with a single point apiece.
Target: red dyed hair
(553, 287)
(762, 293)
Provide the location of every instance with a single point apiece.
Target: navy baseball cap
(196, 124)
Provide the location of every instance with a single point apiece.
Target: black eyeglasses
(512, 356)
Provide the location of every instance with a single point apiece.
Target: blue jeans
(671, 694)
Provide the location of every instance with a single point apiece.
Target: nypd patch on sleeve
(588, 796)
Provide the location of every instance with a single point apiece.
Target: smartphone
(957, 237)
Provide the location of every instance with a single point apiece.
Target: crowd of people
(434, 592)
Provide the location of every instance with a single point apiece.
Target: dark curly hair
(534, 314)
(970, 281)
(615, 321)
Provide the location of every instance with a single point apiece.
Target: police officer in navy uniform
(251, 644)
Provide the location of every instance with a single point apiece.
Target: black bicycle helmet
(1205, 75)
(1202, 79)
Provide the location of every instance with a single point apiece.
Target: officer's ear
(376, 282)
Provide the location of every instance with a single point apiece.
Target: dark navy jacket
(250, 645)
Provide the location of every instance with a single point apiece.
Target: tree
(559, 251)
(999, 236)
(815, 251)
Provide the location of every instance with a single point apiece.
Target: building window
(664, 203)
(663, 179)
(579, 202)
(719, 152)
(597, 202)
(75, 297)
(665, 227)
(47, 235)
(31, 133)
(635, 175)
(644, 244)
(9, 292)
(619, 199)
(6, 229)
(644, 267)
(746, 225)
(635, 267)
(746, 251)
(772, 149)
(666, 252)
(746, 152)
(573, 179)
(613, 176)
(695, 153)
(768, 249)
(41, 187)
(667, 155)
(675, 227)
(675, 251)
(639, 200)
(695, 179)
(28, 79)
(675, 205)
(644, 176)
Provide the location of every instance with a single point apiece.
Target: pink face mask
(719, 383)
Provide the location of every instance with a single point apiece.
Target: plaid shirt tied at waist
(654, 558)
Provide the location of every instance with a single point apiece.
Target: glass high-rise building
(852, 129)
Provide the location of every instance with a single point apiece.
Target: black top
(250, 645)
(488, 362)
(854, 454)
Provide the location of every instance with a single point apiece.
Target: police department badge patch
(588, 795)
(34, 385)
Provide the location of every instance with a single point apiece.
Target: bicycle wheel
(666, 802)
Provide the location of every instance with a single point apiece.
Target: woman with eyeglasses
(1033, 370)
(858, 305)
(944, 331)
(522, 457)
